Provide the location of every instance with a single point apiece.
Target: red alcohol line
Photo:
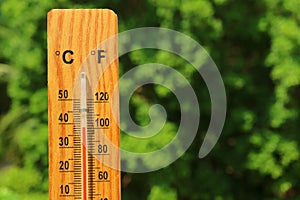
(83, 110)
(84, 164)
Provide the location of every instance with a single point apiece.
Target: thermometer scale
(83, 105)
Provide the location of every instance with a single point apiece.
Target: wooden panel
(83, 136)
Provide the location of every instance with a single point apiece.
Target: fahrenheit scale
(83, 105)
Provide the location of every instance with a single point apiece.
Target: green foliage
(18, 179)
(283, 56)
(275, 153)
(162, 192)
(7, 194)
(256, 46)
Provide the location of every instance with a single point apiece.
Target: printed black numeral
(64, 189)
(64, 165)
(63, 117)
(63, 94)
(102, 148)
(103, 175)
(102, 96)
(63, 141)
(102, 122)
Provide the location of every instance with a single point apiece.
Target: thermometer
(83, 105)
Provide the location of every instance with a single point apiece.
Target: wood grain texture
(76, 44)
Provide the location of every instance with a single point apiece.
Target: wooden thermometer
(83, 105)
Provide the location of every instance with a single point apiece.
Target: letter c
(64, 56)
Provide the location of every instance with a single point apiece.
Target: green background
(256, 46)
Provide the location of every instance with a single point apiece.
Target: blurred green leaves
(274, 153)
(162, 192)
